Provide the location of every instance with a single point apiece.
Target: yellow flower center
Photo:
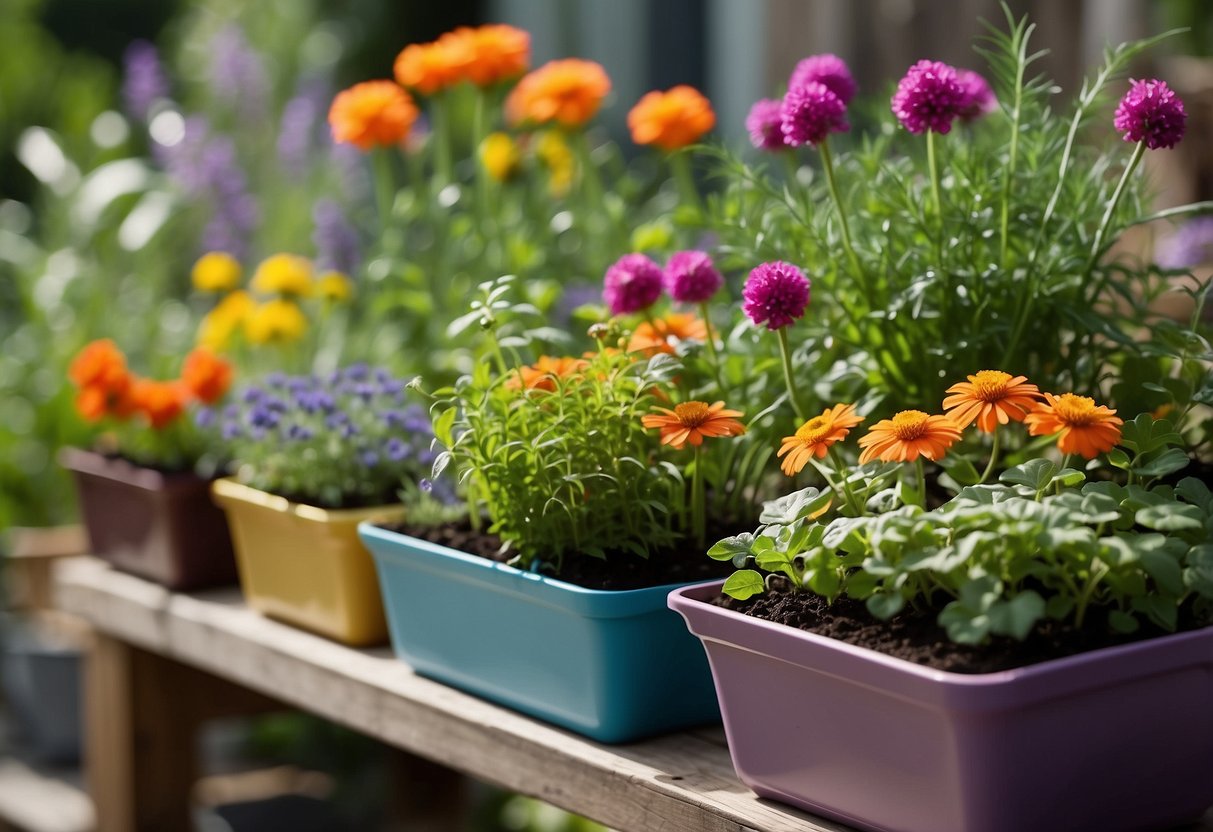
(909, 425)
(692, 414)
(815, 430)
(990, 385)
(1074, 411)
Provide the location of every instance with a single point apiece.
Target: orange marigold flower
(499, 52)
(1086, 428)
(568, 92)
(672, 119)
(92, 403)
(814, 437)
(692, 421)
(993, 398)
(372, 113)
(907, 435)
(660, 334)
(100, 364)
(206, 375)
(160, 401)
(430, 67)
(544, 373)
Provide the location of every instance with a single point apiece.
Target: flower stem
(934, 170)
(827, 164)
(697, 501)
(385, 184)
(841, 469)
(994, 449)
(922, 482)
(786, 354)
(712, 353)
(1102, 231)
(684, 178)
(441, 137)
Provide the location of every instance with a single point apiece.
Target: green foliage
(1044, 543)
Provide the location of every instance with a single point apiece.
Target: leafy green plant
(1045, 542)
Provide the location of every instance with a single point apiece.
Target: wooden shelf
(38, 799)
(678, 783)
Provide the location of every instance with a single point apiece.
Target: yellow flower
(499, 155)
(284, 274)
(275, 321)
(555, 154)
(216, 271)
(335, 287)
(221, 322)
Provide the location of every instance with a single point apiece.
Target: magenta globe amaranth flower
(826, 69)
(632, 284)
(929, 97)
(1151, 112)
(810, 113)
(765, 125)
(776, 294)
(691, 277)
(978, 97)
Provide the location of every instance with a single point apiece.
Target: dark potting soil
(619, 571)
(914, 636)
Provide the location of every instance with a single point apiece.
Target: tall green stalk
(827, 164)
(786, 354)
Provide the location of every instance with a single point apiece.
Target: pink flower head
(1151, 112)
(632, 284)
(765, 125)
(811, 112)
(929, 97)
(776, 294)
(827, 69)
(978, 97)
(691, 277)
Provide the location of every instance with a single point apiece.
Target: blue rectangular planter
(612, 665)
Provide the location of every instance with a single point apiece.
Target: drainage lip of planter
(304, 565)
(160, 526)
(614, 665)
(1111, 740)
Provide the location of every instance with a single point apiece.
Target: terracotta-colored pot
(1114, 740)
(159, 526)
(305, 565)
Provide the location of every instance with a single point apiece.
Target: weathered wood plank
(37, 801)
(679, 783)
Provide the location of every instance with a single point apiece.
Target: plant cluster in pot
(555, 605)
(144, 506)
(312, 457)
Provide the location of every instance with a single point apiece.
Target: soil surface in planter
(619, 571)
(915, 637)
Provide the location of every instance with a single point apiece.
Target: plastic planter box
(41, 681)
(159, 526)
(304, 565)
(612, 665)
(1108, 741)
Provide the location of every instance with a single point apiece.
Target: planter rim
(120, 469)
(227, 489)
(1043, 679)
(593, 600)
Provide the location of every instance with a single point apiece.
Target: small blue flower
(357, 372)
(205, 417)
(299, 433)
(336, 419)
(364, 391)
(391, 387)
(251, 395)
(396, 450)
(231, 430)
(276, 380)
(263, 417)
(348, 430)
(425, 485)
(232, 411)
(370, 459)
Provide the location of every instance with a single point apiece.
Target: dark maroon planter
(1113, 740)
(159, 526)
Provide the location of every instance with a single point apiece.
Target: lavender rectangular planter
(159, 526)
(1113, 740)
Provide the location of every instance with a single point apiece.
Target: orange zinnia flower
(692, 421)
(671, 119)
(206, 375)
(430, 67)
(543, 374)
(814, 437)
(100, 364)
(499, 52)
(993, 398)
(372, 113)
(907, 435)
(1086, 428)
(92, 403)
(160, 401)
(568, 91)
(659, 335)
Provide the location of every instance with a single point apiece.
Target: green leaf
(963, 625)
(1198, 576)
(1171, 517)
(1195, 491)
(731, 547)
(1119, 459)
(1146, 434)
(1165, 571)
(1162, 611)
(1059, 607)
(744, 585)
(960, 469)
(1036, 474)
(773, 560)
(1170, 461)
(1068, 477)
(885, 605)
(442, 427)
(1122, 622)
(792, 507)
(1017, 617)
(824, 581)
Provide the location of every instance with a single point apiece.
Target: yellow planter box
(305, 565)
